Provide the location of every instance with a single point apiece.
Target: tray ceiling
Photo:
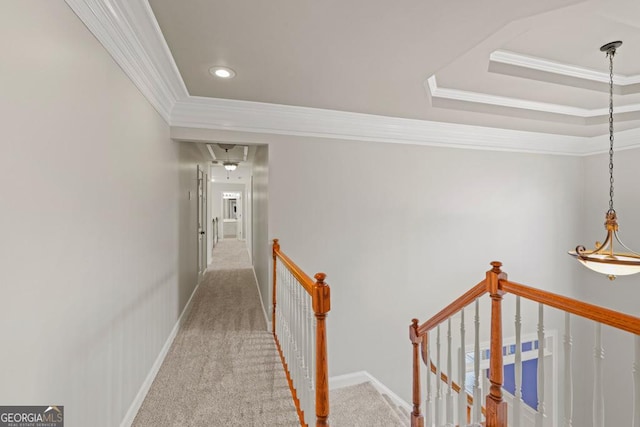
(503, 64)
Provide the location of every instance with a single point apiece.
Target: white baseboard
(264, 310)
(146, 385)
(360, 377)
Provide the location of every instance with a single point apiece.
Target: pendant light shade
(604, 259)
(228, 164)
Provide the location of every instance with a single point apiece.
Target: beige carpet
(223, 368)
(230, 254)
(362, 405)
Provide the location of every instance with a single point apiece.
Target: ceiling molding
(624, 140)
(503, 101)
(562, 113)
(566, 70)
(210, 150)
(226, 114)
(130, 33)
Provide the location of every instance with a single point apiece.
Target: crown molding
(225, 114)
(503, 101)
(566, 70)
(130, 33)
(562, 113)
(624, 140)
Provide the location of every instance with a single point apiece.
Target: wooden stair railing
(496, 285)
(454, 385)
(300, 308)
(446, 313)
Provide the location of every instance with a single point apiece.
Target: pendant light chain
(611, 54)
(605, 258)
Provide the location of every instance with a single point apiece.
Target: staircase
(463, 380)
(215, 367)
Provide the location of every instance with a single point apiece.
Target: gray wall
(260, 216)
(403, 230)
(98, 253)
(621, 294)
(99, 233)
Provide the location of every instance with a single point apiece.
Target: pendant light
(604, 258)
(228, 164)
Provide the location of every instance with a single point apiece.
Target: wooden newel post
(417, 419)
(496, 408)
(275, 250)
(321, 306)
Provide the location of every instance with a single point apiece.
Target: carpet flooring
(362, 405)
(223, 368)
(229, 254)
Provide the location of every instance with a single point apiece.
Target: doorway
(202, 215)
(232, 218)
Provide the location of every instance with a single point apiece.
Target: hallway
(223, 368)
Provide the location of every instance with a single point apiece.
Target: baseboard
(360, 377)
(264, 311)
(146, 385)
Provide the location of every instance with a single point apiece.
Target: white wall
(260, 220)
(98, 253)
(404, 230)
(248, 215)
(622, 294)
(99, 234)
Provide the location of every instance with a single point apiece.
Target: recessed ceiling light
(222, 72)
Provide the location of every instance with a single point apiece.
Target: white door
(202, 215)
(240, 220)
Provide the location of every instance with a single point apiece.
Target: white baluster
(449, 401)
(598, 389)
(313, 363)
(297, 337)
(283, 312)
(305, 377)
(285, 317)
(298, 326)
(427, 405)
(636, 381)
(477, 392)
(517, 404)
(438, 411)
(311, 396)
(462, 371)
(540, 414)
(278, 286)
(303, 342)
(568, 374)
(289, 321)
(293, 361)
(310, 357)
(280, 310)
(285, 320)
(293, 325)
